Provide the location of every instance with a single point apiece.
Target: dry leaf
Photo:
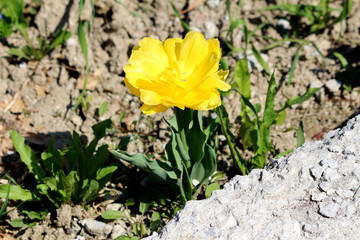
(91, 82)
(193, 5)
(40, 91)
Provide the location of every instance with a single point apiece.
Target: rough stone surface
(311, 194)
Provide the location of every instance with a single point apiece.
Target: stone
(96, 227)
(284, 24)
(325, 185)
(117, 231)
(316, 84)
(333, 85)
(329, 210)
(310, 228)
(277, 203)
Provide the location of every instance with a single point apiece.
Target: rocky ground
(37, 97)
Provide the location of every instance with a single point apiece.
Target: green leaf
(185, 185)
(129, 202)
(40, 215)
(239, 162)
(103, 108)
(124, 237)
(281, 117)
(299, 99)
(210, 188)
(18, 53)
(75, 155)
(143, 207)
(234, 24)
(155, 223)
(83, 42)
(96, 162)
(59, 39)
(177, 14)
(16, 193)
(224, 64)
(104, 175)
(260, 59)
(343, 61)
(17, 223)
(71, 186)
(162, 171)
(111, 214)
(294, 63)
(91, 192)
(300, 135)
(52, 159)
(6, 199)
(242, 78)
(203, 169)
(27, 156)
(197, 138)
(99, 129)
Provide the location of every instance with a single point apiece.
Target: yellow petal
(149, 97)
(216, 81)
(150, 110)
(172, 48)
(131, 87)
(193, 50)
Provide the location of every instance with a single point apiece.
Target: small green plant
(249, 36)
(183, 165)
(12, 19)
(103, 108)
(254, 132)
(71, 176)
(349, 75)
(307, 19)
(83, 27)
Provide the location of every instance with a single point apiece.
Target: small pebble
(283, 23)
(310, 228)
(316, 84)
(317, 197)
(316, 171)
(329, 210)
(325, 186)
(333, 85)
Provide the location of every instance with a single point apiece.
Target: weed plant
(12, 19)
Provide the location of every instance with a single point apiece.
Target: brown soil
(36, 98)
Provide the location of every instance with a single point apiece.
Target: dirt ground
(36, 98)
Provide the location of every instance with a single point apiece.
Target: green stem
(184, 149)
(239, 162)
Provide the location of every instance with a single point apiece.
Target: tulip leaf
(162, 171)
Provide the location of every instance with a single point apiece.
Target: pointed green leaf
(300, 135)
(27, 155)
(111, 214)
(260, 59)
(16, 193)
(151, 166)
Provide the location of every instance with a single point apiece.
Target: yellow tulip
(179, 73)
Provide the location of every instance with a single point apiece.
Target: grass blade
(260, 59)
(294, 63)
(300, 135)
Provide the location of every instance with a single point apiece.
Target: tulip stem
(181, 129)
